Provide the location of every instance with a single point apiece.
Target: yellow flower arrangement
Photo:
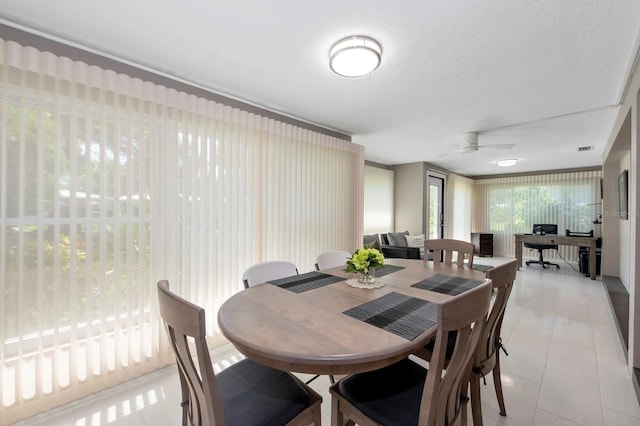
(364, 259)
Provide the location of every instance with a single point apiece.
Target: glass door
(435, 210)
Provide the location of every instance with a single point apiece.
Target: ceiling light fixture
(355, 56)
(507, 162)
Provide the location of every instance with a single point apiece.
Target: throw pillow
(415, 240)
(371, 241)
(397, 238)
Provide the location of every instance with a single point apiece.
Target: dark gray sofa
(392, 249)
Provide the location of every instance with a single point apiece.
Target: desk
(309, 333)
(561, 240)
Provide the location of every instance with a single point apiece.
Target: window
(505, 206)
(109, 184)
(378, 200)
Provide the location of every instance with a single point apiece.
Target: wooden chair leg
(463, 415)
(317, 417)
(336, 414)
(476, 403)
(497, 384)
(186, 415)
(464, 399)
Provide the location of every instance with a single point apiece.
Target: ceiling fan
(471, 139)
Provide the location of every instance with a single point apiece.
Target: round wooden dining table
(309, 332)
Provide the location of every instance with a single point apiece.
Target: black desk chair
(542, 229)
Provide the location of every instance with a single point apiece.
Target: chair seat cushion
(451, 345)
(389, 396)
(254, 394)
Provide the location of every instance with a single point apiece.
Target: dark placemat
(388, 269)
(304, 282)
(447, 284)
(482, 268)
(397, 313)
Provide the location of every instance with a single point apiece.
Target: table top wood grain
(309, 333)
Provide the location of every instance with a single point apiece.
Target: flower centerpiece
(364, 262)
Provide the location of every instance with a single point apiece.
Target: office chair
(543, 229)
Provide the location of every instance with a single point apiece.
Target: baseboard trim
(618, 297)
(635, 378)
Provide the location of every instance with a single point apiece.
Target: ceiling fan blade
(499, 146)
(467, 149)
(471, 139)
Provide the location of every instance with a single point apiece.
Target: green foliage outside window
(514, 209)
(65, 223)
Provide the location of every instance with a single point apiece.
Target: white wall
(410, 198)
(411, 188)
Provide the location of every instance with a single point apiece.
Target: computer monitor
(544, 228)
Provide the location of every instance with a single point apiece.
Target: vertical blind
(378, 200)
(108, 184)
(458, 207)
(504, 206)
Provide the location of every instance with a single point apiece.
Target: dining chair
(405, 393)
(243, 393)
(266, 271)
(332, 259)
(487, 357)
(443, 251)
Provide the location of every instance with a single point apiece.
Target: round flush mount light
(507, 162)
(355, 56)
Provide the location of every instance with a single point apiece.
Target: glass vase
(367, 277)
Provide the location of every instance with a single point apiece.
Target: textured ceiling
(544, 75)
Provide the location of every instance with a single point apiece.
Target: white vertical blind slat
(4, 120)
(40, 380)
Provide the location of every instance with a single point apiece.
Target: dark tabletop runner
(304, 282)
(447, 285)
(397, 313)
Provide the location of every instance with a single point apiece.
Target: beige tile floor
(565, 366)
